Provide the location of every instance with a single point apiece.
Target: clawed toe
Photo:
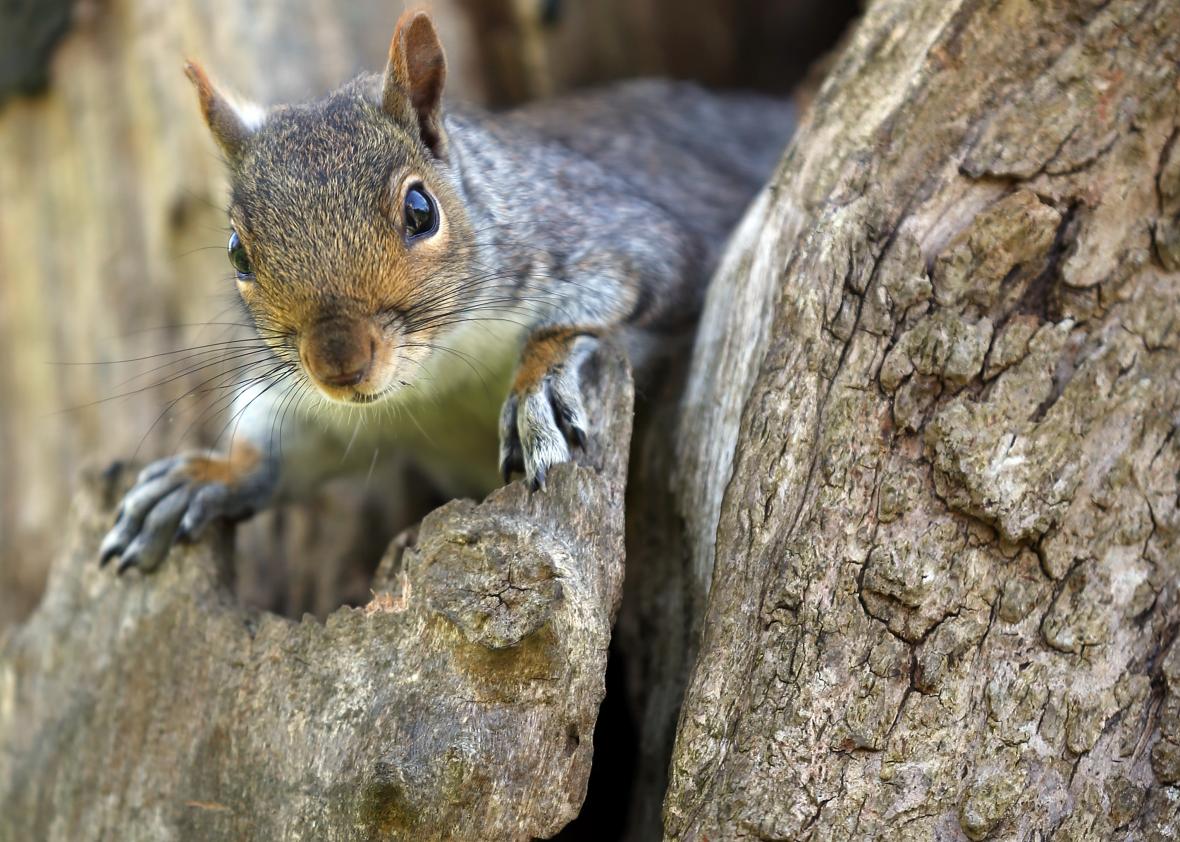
(540, 424)
(170, 504)
(511, 452)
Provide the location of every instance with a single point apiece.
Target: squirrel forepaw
(175, 499)
(545, 415)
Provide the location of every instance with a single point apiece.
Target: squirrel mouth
(363, 398)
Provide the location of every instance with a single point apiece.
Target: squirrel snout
(339, 352)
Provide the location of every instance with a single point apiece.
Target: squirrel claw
(579, 437)
(511, 457)
(107, 554)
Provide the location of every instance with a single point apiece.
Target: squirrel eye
(237, 256)
(421, 218)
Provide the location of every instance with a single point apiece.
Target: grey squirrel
(416, 265)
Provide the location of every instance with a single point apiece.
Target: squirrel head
(350, 241)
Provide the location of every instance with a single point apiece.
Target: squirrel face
(353, 234)
(349, 240)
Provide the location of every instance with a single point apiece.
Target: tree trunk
(944, 362)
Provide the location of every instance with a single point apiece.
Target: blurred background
(112, 233)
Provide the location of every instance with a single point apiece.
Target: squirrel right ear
(414, 78)
(231, 126)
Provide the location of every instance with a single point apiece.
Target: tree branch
(459, 703)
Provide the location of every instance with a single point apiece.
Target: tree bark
(458, 703)
(943, 360)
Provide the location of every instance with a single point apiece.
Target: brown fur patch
(228, 470)
(545, 349)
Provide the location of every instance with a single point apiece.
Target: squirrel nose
(339, 352)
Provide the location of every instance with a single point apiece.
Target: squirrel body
(423, 277)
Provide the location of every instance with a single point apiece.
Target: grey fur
(618, 199)
(165, 505)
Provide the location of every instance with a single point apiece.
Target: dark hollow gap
(764, 45)
(616, 737)
(29, 32)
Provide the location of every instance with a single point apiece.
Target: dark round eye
(237, 256)
(419, 212)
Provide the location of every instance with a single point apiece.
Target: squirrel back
(686, 148)
(677, 161)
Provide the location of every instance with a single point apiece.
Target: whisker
(236, 418)
(156, 385)
(195, 348)
(466, 358)
(225, 402)
(172, 404)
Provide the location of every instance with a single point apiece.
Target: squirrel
(393, 254)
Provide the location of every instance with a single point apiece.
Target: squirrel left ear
(230, 124)
(414, 78)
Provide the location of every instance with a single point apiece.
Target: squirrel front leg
(174, 500)
(272, 454)
(544, 413)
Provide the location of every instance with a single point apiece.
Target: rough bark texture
(944, 362)
(457, 704)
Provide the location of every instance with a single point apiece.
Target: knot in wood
(495, 578)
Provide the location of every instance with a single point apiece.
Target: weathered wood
(944, 364)
(459, 703)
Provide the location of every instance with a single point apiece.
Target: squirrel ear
(231, 126)
(414, 78)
